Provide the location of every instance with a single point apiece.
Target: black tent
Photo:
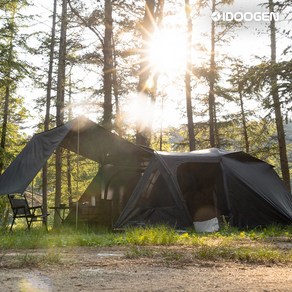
(136, 185)
(179, 188)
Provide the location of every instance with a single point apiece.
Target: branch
(86, 24)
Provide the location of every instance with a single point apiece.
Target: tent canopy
(81, 136)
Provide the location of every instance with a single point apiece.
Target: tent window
(156, 193)
(152, 181)
(199, 184)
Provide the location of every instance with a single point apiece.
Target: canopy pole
(77, 185)
(32, 190)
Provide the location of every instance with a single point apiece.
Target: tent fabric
(81, 136)
(27, 164)
(158, 204)
(258, 180)
(249, 192)
(98, 144)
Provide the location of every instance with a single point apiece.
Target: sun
(167, 51)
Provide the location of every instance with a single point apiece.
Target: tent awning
(81, 136)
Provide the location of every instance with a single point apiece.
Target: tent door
(201, 184)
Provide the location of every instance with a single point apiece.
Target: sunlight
(167, 53)
(82, 108)
(139, 111)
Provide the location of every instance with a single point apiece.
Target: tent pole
(32, 190)
(77, 186)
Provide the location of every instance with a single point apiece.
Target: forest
(170, 75)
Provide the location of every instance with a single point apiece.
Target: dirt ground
(112, 269)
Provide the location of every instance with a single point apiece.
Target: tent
(136, 185)
(180, 188)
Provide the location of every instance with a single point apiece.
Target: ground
(126, 269)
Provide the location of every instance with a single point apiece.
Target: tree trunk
(60, 104)
(118, 121)
(212, 83)
(108, 65)
(243, 119)
(143, 134)
(188, 77)
(277, 105)
(48, 107)
(5, 118)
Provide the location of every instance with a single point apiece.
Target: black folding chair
(21, 209)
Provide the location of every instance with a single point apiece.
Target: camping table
(61, 211)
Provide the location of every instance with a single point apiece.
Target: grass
(262, 246)
(29, 260)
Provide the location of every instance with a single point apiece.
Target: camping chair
(21, 209)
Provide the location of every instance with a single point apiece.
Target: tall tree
(188, 76)
(212, 123)
(8, 81)
(277, 103)
(108, 64)
(48, 106)
(215, 37)
(106, 41)
(147, 29)
(60, 103)
(238, 83)
(152, 17)
(12, 71)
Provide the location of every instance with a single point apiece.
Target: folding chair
(21, 209)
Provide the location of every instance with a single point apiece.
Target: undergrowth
(266, 245)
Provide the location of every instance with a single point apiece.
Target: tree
(8, 81)
(219, 32)
(108, 64)
(188, 77)
(48, 106)
(237, 80)
(92, 22)
(153, 15)
(277, 104)
(12, 71)
(212, 123)
(60, 104)
(147, 29)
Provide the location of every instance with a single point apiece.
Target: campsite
(155, 260)
(150, 240)
(145, 145)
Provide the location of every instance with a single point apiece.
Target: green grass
(268, 245)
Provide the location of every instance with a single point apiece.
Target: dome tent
(243, 189)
